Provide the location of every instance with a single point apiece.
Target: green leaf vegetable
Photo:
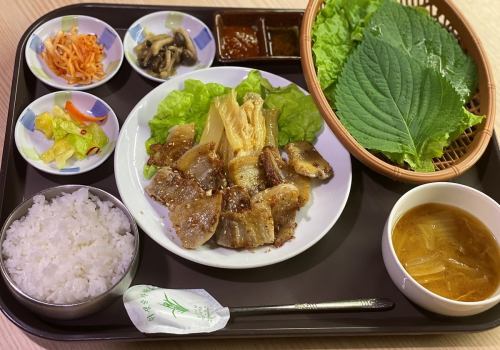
(394, 98)
(338, 29)
(70, 139)
(299, 118)
(414, 32)
(189, 105)
(254, 82)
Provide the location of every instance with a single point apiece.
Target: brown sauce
(448, 251)
(240, 42)
(284, 41)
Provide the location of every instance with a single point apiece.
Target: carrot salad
(75, 57)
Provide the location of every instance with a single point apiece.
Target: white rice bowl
(69, 249)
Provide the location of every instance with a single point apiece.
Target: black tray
(345, 264)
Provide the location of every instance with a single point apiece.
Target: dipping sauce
(448, 251)
(240, 42)
(284, 41)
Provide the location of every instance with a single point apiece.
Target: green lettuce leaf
(254, 82)
(299, 118)
(149, 171)
(189, 105)
(94, 137)
(62, 127)
(98, 136)
(338, 29)
(392, 103)
(80, 145)
(420, 36)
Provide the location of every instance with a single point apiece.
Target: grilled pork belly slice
(277, 172)
(195, 221)
(303, 184)
(249, 228)
(245, 171)
(170, 188)
(203, 164)
(235, 199)
(274, 167)
(307, 161)
(284, 203)
(180, 139)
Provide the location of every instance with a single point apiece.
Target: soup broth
(448, 251)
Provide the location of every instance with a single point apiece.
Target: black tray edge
(224, 333)
(252, 333)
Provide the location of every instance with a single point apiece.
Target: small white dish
(467, 198)
(32, 143)
(314, 221)
(106, 35)
(165, 22)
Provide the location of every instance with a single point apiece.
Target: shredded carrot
(75, 57)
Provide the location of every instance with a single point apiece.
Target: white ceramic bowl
(461, 196)
(32, 143)
(165, 22)
(107, 36)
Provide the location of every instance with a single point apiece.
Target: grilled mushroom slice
(188, 58)
(167, 69)
(189, 55)
(179, 40)
(157, 45)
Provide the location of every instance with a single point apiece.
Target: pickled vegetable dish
(448, 251)
(75, 134)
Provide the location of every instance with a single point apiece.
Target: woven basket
(462, 153)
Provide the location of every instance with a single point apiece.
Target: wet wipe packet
(177, 311)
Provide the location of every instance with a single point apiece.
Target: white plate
(313, 221)
(106, 35)
(32, 143)
(165, 22)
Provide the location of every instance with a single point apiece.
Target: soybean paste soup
(448, 251)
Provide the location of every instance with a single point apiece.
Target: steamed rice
(69, 249)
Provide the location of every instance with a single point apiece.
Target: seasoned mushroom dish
(160, 54)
